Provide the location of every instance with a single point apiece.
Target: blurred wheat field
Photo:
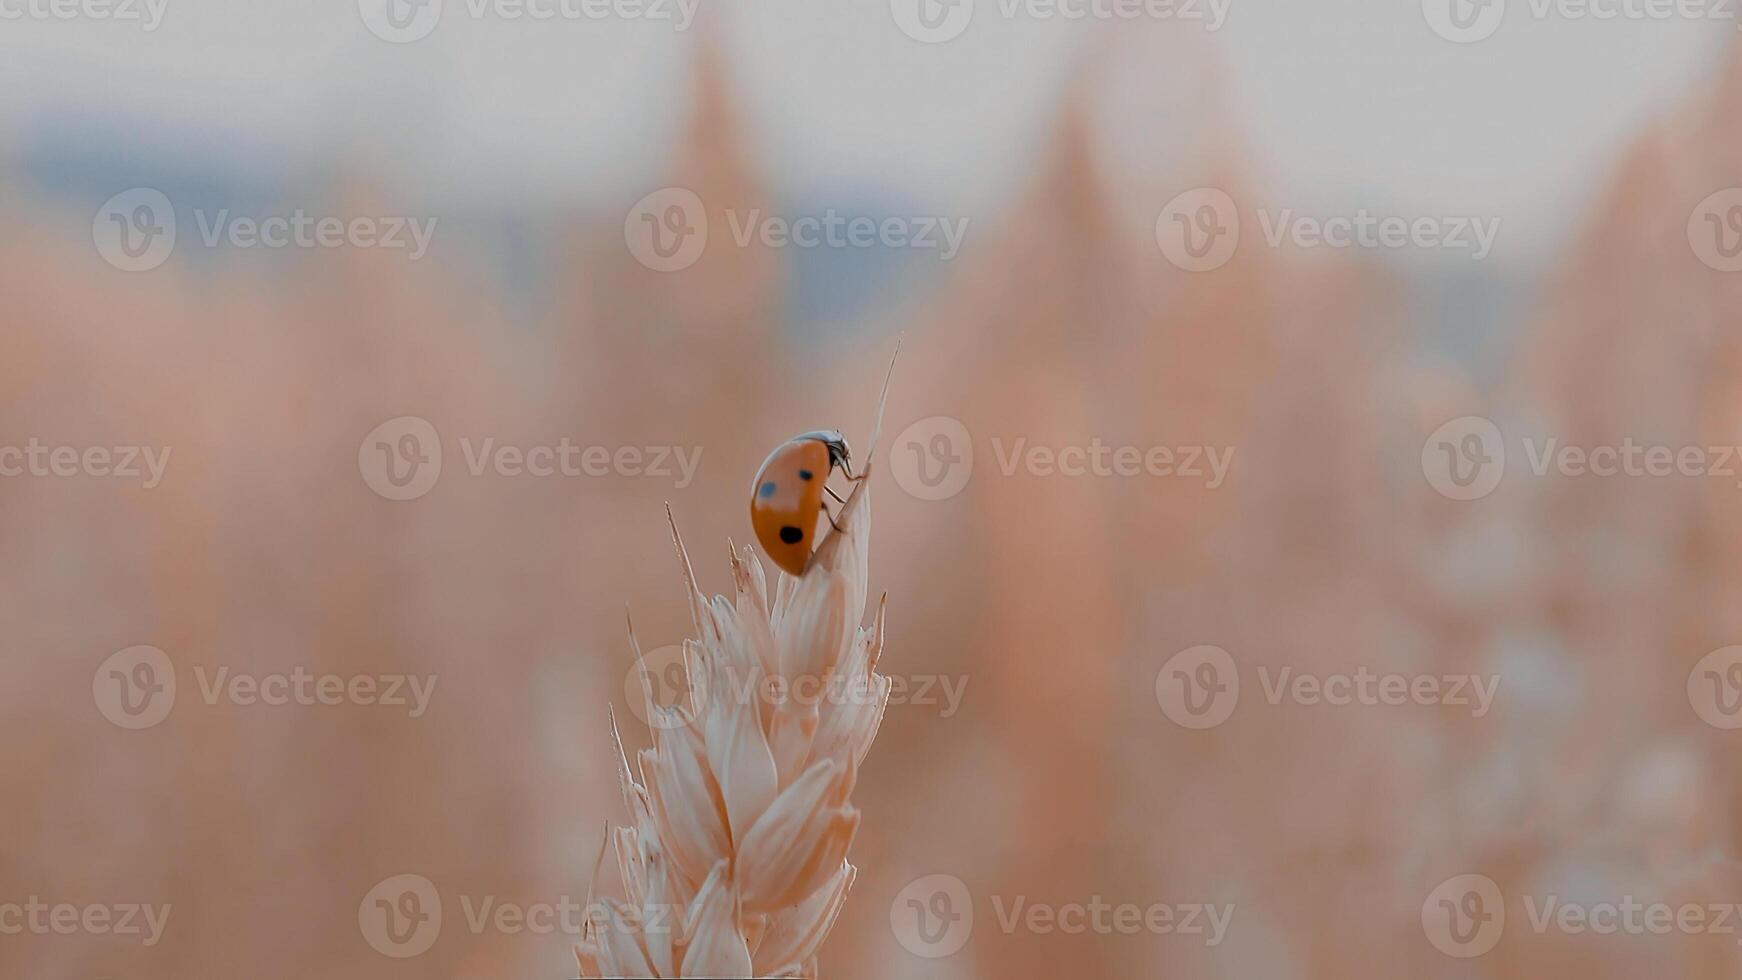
(1053, 603)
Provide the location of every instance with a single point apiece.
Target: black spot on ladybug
(805, 474)
(791, 535)
(767, 489)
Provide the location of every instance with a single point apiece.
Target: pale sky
(1345, 101)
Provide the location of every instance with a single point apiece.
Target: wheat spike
(734, 859)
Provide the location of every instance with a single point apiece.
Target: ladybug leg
(831, 517)
(847, 469)
(831, 492)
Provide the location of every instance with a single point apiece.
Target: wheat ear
(734, 859)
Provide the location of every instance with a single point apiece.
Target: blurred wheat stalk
(734, 862)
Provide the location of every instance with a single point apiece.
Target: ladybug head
(839, 454)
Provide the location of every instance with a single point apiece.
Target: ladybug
(788, 494)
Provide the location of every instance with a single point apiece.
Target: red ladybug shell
(787, 497)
